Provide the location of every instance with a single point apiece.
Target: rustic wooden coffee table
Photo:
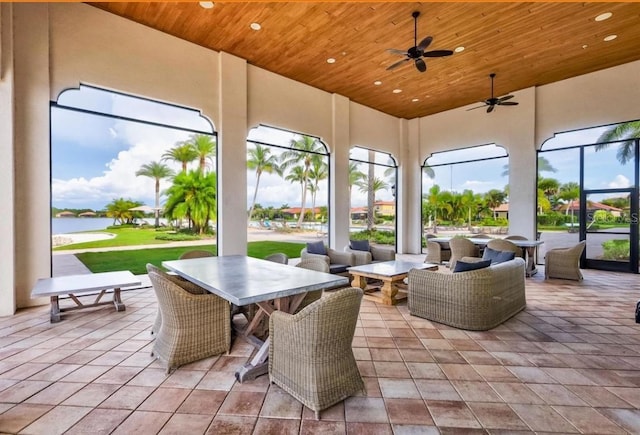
(390, 273)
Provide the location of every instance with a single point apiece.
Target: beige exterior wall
(47, 48)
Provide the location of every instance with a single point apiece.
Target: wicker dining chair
(461, 247)
(318, 265)
(194, 326)
(188, 286)
(505, 245)
(310, 356)
(278, 257)
(564, 263)
(436, 252)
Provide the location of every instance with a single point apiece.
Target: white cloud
(620, 181)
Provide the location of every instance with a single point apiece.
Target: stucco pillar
(339, 181)
(409, 195)
(232, 156)
(31, 147)
(7, 172)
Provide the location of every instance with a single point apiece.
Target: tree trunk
(156, 212)
(255, 194)
(371, 195)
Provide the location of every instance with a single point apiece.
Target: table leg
(55, 309)
(389, 292)
(359, 281)
(117, 301)
(531, 265)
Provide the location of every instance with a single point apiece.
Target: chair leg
(317, 415)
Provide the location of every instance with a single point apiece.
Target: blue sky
(94, 158)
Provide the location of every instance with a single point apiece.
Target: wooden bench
(74, 285)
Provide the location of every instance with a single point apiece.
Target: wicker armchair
(186, 285)
(461, 247)
(437, 253)
(373, 255)
(310, 356)
(194, 326)
(564, 262)
(476, 300)
(338, 261)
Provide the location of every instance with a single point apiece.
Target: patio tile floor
(569, 363)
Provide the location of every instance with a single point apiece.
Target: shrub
(177, 237)
(616, 250)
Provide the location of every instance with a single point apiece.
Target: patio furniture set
(307, 348)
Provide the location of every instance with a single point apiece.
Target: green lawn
(136, 260)
(124, 237)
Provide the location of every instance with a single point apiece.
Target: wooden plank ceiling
(525, 44)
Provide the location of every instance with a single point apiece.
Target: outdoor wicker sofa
(475, 300)
(310, 356)
(374, 254)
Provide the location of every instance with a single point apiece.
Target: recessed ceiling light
(377, 83)
(255, 26)
(604, 16)
(206, 5)
(331, 60)
(415, 100)
(584, 46)
(610, 37)
(458, 49)
(397, 91)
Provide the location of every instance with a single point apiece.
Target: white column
(339, 182)
(232, 156)
(409, 193)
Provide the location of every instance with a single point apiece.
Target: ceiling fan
(493, 101)
(417, 52)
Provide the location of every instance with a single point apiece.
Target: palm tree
(120, 210)
(494, 198)
(469, 202)
(549, 186)
(371, 186)
(193, 195)
(623, 132)
(428, 171)
(318, 172)
(183, 153)
(297, 175)
(157, 171)
(205, 147)
(304, 150)
(261, 161)
(569, 192)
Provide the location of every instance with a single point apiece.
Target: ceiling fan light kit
(492, 102)
(417, 52)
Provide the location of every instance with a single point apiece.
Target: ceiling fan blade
(425, 43)
(396, 51)
(477, 107)
(421, 65)
(438, 53)
(505, 98)
(507, 103)
(490, 108)
(397, 64)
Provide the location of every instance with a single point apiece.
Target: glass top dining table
(243, 280)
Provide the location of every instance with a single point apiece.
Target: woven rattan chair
(461, 247)
(310, 356)
(436, 252)
(476, 300)
(515, 237)
(194, 326)
(319, 266)
(564, 263)
(505, 245)
(196, 253)
(187, 285)
(373, 255)
(278, 257)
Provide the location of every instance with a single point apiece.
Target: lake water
(76, 225)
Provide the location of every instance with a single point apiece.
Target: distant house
(592, 206)
(358, 213)
(65, 214)
(385, 208)
(501, 211)
(88, 214)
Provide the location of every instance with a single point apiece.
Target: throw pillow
(504, 256)
(497, 256)
(316, 248)
(462, 266)
(359, 245)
